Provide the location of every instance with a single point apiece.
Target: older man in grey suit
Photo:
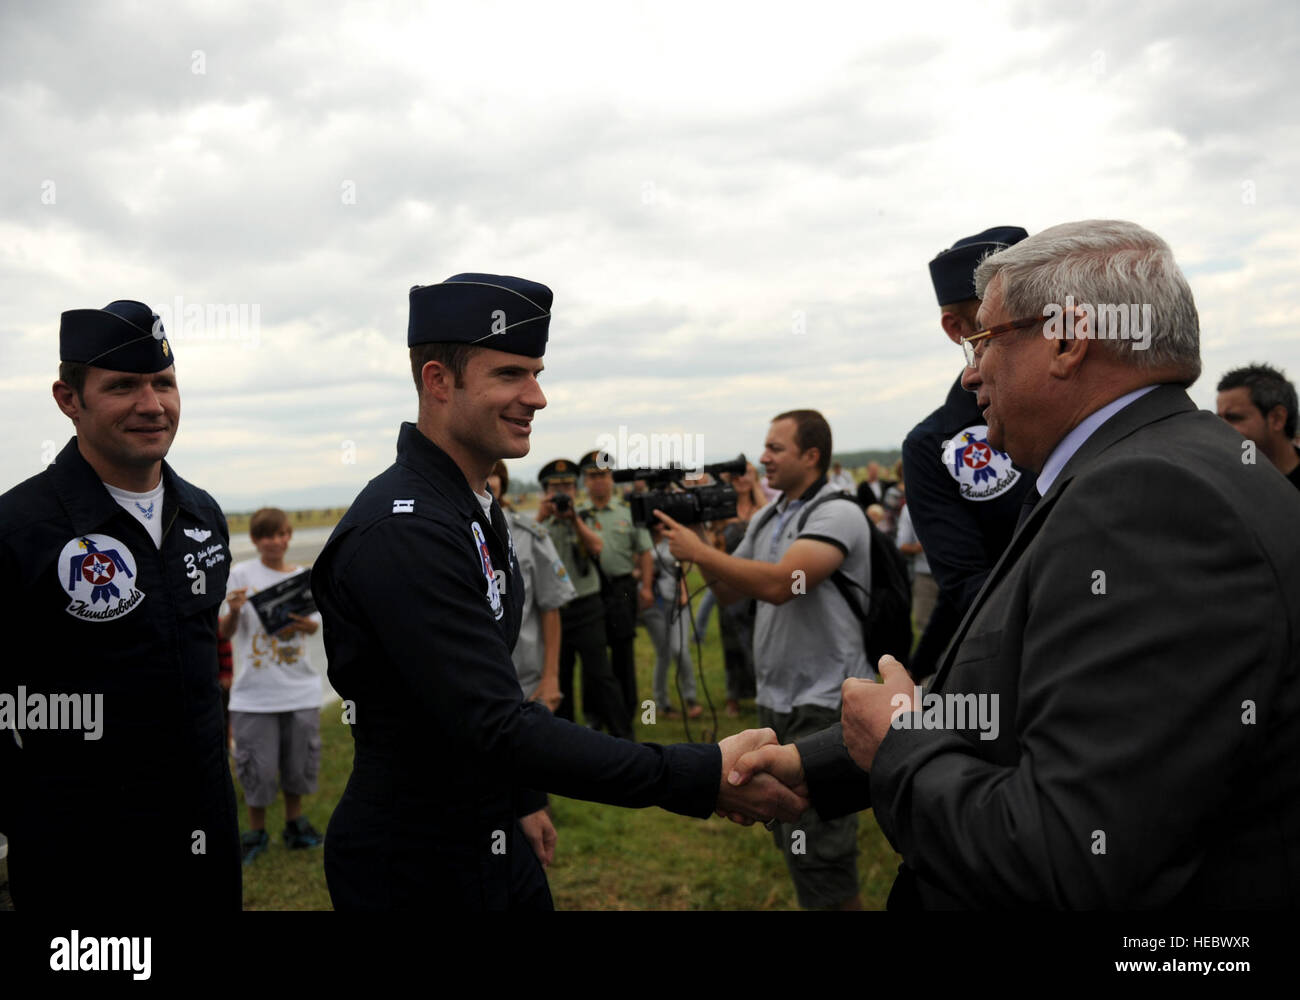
(1117, 721)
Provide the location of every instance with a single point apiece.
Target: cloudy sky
(734, 203)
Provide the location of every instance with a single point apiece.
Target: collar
(88, 502)
(417, 453)
(807, 494)
(962, 405)
(1072, 442)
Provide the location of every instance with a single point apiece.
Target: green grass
(607, 858)
(281, 879)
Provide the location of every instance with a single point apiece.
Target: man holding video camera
(807, 639)
(583, 618)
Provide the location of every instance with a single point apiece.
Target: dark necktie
(1026, 508)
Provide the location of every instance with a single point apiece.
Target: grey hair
(1104, 263)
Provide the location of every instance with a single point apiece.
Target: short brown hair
(454, 356)
(74, 373)
(267, 522)
(810, 431)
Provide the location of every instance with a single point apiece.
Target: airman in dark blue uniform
(112, 609)
(964, 494)
(420, 593)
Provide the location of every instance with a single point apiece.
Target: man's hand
(684, 543)
(228, 623)
(548, 693)
(546, 508)
(540, 833)
(763, 797)
(299, 624)
(781, 761)
(646, 597)
(870, 707)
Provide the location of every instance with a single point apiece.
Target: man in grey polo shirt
(807, 640)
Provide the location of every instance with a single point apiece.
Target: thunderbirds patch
(98, 572)
(982, 472)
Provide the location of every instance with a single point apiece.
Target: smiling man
(421, 595)
(116, 567)
(1139, 639)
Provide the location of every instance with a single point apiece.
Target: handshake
(761, 779)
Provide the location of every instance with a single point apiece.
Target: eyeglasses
(968, 343)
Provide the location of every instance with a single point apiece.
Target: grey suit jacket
(1141, 637)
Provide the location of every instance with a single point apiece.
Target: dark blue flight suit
(421, 597)
(962, 537)
(142, 818)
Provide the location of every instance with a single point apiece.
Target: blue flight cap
(953, 271)
(491, 310)
(124, 336)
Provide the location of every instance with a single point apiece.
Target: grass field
(607, 858)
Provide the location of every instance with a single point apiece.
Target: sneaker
(299, 833)
(252, 843)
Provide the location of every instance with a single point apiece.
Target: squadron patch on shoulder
(489, 574)
(98, 572)
(982, 472)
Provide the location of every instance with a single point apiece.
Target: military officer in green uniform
(582, 620)
(626, 569)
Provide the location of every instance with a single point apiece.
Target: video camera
(686, 504)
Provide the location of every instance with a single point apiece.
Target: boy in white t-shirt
(276, 698)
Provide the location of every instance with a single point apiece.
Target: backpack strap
(809, 508)
(844, 583)
(765, 519)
